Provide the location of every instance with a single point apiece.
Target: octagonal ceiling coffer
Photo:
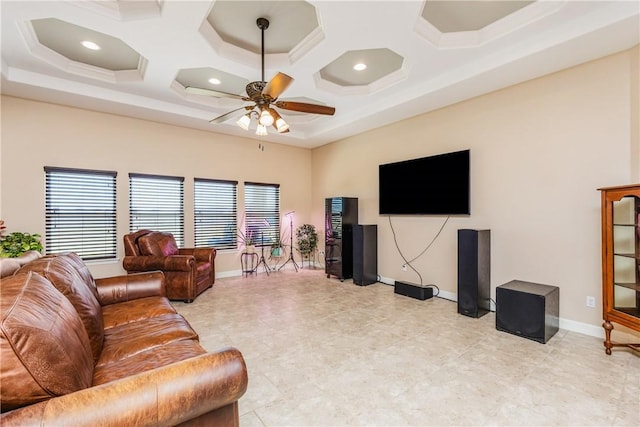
(211, 78)
(83, 51)
(124, 10)
(465, 24)
(112, 54)
(293, 31)
(362, 67)
(458, 16)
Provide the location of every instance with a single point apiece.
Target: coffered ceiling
(417, 55)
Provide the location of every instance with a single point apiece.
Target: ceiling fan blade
(224, 117)
(305, 108)
(214, 93)
(278, 84)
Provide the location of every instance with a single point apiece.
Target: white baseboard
(238, 273)
(228, 273)
(582, 328)
(566, 324)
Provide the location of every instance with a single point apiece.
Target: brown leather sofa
(8, 266)
(188, 271)
(113, 351)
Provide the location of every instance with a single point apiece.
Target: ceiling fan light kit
(266, 119)
(244, 121)
(264, 95)
(280, 124)
(261, 130)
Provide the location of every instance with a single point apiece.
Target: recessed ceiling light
(360, 66)
(214, 81)
(90, 45)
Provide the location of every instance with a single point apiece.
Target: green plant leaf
(15, 244)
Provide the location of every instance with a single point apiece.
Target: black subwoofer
(530, 310)
(474, 272)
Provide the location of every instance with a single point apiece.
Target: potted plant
(277, 247)
(307, 239)
(248, 240)
(15, 244)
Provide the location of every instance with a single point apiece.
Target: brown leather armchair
(188, 271)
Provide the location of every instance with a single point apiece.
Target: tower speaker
(530, 310)
(474, 272)
(365, 254)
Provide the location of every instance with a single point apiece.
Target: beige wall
(539, 151)
(37, 134)
(635, 112)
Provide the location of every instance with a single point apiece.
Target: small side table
(248, 262)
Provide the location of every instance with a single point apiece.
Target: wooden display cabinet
(620, 261)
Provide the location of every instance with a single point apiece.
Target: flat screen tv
(434, 185)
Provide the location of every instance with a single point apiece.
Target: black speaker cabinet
(341, 215)
(474, 272)
(530, 310)
(365, 254)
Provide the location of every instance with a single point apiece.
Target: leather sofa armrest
(169, 395)
(200, 254)
(112, 290)
(163, 263)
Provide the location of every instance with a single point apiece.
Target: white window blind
(215, 213)
(262, 212)
(157, 203)
(80, 212)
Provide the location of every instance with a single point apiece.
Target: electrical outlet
(321, 253)
(404, 267)
(591, 302)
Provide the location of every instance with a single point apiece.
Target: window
(215, 213)
(156, 203)
(80, 212)
(262, 212)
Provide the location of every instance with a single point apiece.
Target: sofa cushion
(158, 244)
(134, 310)
(123, 341)
(8, 266)
(44, 348)
(62, 272)
(82, 269)
(148, 359)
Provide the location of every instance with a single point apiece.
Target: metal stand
(293, 261)
(262, 261)
(248, 262)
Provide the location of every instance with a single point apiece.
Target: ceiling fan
(264, 97)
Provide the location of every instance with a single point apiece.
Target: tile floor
(321, 352)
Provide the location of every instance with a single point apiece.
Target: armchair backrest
(131, 242)
(158, 244)
(147, 242)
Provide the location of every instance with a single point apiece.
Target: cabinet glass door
(626, 255)
(336, 218)
(333, 235)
